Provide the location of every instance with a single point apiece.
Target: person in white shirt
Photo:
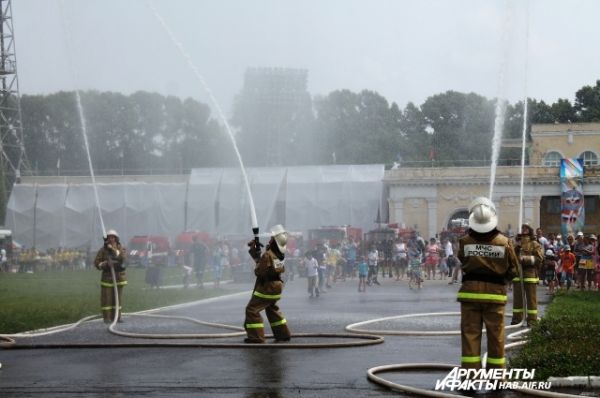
(400, 258)
(312, 274)
(372, 261)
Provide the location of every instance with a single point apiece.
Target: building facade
(427, 199)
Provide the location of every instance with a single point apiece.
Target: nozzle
(255, 232)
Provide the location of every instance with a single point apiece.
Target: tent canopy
(212, 200)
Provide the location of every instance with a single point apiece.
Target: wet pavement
(272, 371)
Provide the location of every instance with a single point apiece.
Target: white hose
(406, 388)
(355, 327)
(519, 336)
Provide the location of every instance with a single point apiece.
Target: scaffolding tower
(275, 96)
(12, 149)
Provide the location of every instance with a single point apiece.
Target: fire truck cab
(333, 235)
(146, 250)
(183, 245)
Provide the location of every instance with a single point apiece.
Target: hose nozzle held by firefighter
(255, 246)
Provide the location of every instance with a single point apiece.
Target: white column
(432, 206)
(529, 205)
(396, 209)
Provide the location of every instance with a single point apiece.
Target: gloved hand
(277, 264)
(115, 252)
(527, 260)
(254, 249)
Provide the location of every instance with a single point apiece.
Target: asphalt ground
(271, 371)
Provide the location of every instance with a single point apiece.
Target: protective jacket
(106, 258)
(267, 291)
(531, 258)
(488, 262)
(268, 272)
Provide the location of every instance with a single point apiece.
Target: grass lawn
(566, 342)
(44, 299)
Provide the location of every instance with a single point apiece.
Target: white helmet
(549, 252)
(280, 236)
(482, 215)
(113, 233)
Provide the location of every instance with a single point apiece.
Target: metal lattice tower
(12, 148)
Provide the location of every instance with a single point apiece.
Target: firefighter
(267, 289)
(488, 263)
(531, 258)
(112, 254)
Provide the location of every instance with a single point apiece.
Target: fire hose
(519, 337)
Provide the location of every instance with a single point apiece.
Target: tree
(413, 127)
(587, 103)
(540, 112)
(462, 127)
(563, 111)
(132, 134)
(358, 128)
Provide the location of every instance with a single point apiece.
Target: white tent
(212, 200)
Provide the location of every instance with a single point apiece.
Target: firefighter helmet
(482, 215)
(280, 236)
(113, 233)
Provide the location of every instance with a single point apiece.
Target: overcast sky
(406, 50)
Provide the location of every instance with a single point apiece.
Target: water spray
(500, 109)
(523, 143)
(81, 115)
(215, 103)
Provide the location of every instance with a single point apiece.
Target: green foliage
(462, 127)
(587, 103)
(567, 340)
(45, 299)
(278, 125)
(130, 134)
(359, 128)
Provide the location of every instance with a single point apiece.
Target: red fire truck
(183, 244)
(333, 235)
(145, 250)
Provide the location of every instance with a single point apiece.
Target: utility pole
(12, 148)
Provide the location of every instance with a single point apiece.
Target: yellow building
(429, 198)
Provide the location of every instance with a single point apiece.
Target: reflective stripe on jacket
(268, 277)
(488, 261)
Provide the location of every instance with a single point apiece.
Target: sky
(405, 50)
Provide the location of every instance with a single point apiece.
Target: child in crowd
(550, 265)
(363, 271)
(567, 262)
(443, 268)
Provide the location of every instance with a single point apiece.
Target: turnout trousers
(473, 316)
(107, 295)
(255, 328)
(530, 290)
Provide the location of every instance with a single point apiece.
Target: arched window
(552, 159)
(589, 158)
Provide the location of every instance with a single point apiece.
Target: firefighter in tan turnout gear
(111, 255)
(267, 289)
(531, 258)
(488, 263)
